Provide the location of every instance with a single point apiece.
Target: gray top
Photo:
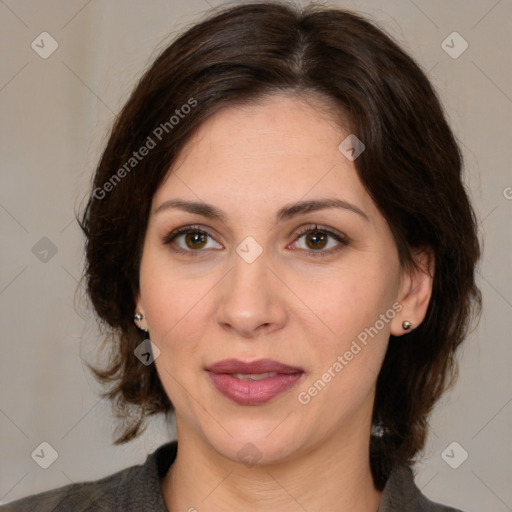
(137, 489)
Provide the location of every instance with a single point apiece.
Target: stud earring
(138, 317)
(406, 325)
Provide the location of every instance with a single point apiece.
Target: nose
(251, 299)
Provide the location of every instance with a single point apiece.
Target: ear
(415, 291)
(138, 303)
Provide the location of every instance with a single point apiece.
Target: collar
(400, 494)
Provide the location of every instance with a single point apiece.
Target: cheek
(350, 303)
(350, 299)
(174, 307)
(346, 359)
(176, 321)
(177, 326)
(168, 295)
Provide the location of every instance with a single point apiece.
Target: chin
(251, 444)
(257, 452)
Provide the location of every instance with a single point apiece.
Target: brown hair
(411, 168)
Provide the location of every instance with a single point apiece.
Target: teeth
(254, 376)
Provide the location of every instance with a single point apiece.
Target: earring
(406, 325)
(138, 317)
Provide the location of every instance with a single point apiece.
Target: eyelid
(324, 229)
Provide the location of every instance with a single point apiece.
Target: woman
(280, 241)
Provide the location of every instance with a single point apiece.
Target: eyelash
(313, 228)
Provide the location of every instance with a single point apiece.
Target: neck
(333, 476)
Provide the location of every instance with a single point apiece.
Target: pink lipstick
(253, 383)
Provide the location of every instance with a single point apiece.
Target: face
(290, 267)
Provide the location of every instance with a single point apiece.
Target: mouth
(253, 383)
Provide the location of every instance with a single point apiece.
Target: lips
(253, 383)
(233, 366)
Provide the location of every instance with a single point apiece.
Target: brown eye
(316, 241)
(195, 240)
(191, 240)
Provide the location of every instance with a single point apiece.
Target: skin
(287, 305)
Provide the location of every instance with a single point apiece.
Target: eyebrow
(285, 213)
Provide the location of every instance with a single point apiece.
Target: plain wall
(56, 113)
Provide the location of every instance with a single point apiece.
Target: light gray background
(55, 117)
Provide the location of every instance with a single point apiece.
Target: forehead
(279, 149)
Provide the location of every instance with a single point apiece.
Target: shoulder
(80, 497)
(401, 494)
(134, 488)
